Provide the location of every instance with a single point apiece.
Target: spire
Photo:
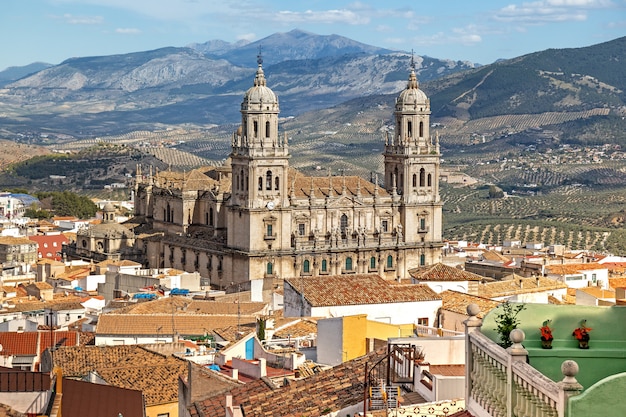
(260, 75)
(412, 77)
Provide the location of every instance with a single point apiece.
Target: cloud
(246, 37)
(82, 20)
(326, 16)
(550, 11)
(128, 31)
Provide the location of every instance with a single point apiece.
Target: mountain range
(203, 84)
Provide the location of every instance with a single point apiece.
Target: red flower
(582, 331)
(546, 331)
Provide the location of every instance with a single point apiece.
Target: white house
(580, 275)
(370, 294)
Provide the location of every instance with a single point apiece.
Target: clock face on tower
(270, 205)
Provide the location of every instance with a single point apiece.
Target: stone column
(569, 385)
(472, 324)
(517, 353)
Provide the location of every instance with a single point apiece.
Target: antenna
(412, 59)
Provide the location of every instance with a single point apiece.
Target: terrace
(527, 380)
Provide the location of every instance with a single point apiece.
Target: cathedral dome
(260, 96)
(412, 95)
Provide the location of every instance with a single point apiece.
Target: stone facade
(258, 218)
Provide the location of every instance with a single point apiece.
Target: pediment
(343, 201)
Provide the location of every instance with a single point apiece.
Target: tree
(66, 203)
(506, 321)
(495, 192)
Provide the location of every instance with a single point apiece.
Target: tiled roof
(335, 388)
(447, 370)
(22, 303)
(518, 286)
(11, 240)
(297, 328)
(617, 283)
(321, 185)
(568, 269)
(127, 366)
(457, 302)
(598, 292)
(182, 305)
(492, 255)
(159, 382)
(166, 324)
(33, 343)
(358, 289)
(41, 285)
(442, 272)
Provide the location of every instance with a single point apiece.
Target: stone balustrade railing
(500, 382)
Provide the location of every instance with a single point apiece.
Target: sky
(478, 31)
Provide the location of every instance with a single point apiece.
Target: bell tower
(412, 159)
(259, 156)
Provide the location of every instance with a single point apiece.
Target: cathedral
(256, 218)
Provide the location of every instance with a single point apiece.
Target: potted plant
(581, 333)
(546, 335)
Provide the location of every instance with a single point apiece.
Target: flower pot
(583, 344)
(546, 344)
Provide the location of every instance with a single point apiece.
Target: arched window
(372, 263)
(306, 266)
(241, 180)
(430, 180)
(389, 261)
(276, 183)
(395, 174)
(421, 129)
(348, 264)
(211, 216)
(206, 218)
(270, 268)
(246, 183)
(260, 183)
(267, 129)
(422, 177)
(237, 182)
(414, 180)
(169, 214)
(410, 128)
(268, 180)
(344, 224)
(422, 259)
(256, 128)
(324, 265)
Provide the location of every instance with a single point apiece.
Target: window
(276, 183)
(385, 226)
(348, 264)
(344, 224)
(324, 265)
(422, 224)
(301, 229)
(270, 268)
(421, 129)
(414, 180)
(410, 128)
(163, 415)
(306, 266)
(422, 177)
(267, 129)
(422, 259)
(268, 180)
(256, 128)
(372, 263)
(389, 261)
(260, 183)
(594, 278)
(211, 216)
(54, 244)
(422, 321)
(429, 182)
(268, 231)
(67, 317)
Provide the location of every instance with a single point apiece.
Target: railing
(501, 384)
(434, 331)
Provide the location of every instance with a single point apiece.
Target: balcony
(526, 380)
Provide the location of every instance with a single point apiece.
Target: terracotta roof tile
(182, 305)
(568, 269)
(166, 324)
(598, 292)
(513, 286)
(457, 302)
(442, 272)
(358, 289)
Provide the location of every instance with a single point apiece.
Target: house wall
(600, 399)
(448, 387)
(392, 313)
(168, 409)
(437, 350)
(34, 403)
(330, 341)
(441, 286)
(131, 340)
